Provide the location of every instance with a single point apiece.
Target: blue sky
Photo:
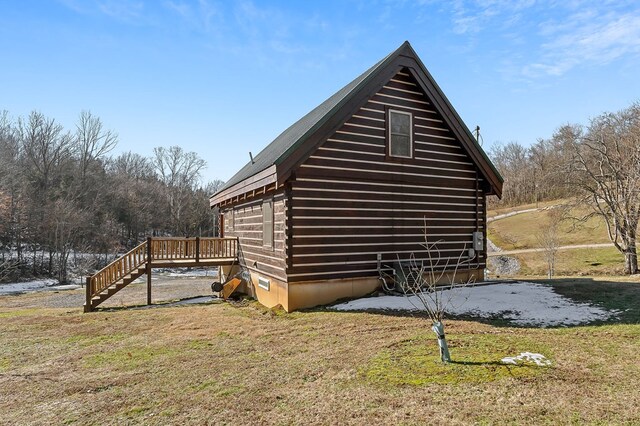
(223, 78)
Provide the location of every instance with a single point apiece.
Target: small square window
(400, 133)
(264, 283)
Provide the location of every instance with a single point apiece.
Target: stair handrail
(116, 270)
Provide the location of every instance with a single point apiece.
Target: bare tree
(179, 171)
(605, 167)
(46, 145)
(92, 141)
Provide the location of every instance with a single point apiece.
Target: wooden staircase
(157, 252)
(116, 287)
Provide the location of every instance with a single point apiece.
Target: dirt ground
(164, 288)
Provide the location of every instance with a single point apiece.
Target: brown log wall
(247, 226)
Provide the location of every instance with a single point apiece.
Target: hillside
(521, 232)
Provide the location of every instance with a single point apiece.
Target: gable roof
(282, 151)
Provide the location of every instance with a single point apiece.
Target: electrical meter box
(478, 241)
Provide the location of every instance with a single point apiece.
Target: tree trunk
(631, 260)
(438, 328)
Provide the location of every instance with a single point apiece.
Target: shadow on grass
(172, 303)
(621, 296)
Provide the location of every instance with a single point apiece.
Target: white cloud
(123, 10)
(558, 35)
(587, 38)
(128, 11)
(201, 16)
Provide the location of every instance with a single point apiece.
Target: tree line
(63, 195)
(597, 165)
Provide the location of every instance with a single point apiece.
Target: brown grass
(243, 364)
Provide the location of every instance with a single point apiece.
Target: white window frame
(390, 113)
(269, 201)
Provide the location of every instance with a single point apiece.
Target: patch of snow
(523, 303)
(189, 273)
(63, 287)
(527, 358)
(27, 286)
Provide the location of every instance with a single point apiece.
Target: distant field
(521, 231)
(244, 364)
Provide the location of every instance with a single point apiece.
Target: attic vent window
(400, 125)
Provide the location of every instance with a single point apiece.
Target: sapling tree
(549, 239)
(433, 283)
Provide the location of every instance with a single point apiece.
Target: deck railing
(211, 248)
(193, 248)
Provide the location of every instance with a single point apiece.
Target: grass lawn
(244, 364)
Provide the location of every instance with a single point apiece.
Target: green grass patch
(130, 358)
(137, 411)
(20, 312)
(5, 363)
(476, 359)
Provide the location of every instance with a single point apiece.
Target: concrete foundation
(272, 292)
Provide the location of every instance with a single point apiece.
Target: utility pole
(477, 133)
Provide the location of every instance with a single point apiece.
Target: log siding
(349, 202)
(248, 228)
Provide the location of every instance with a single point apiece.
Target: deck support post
(87, 303)
(197, 249)
(148, 270)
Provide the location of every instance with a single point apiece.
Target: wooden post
(148, 270)
(87, 306)
(197, 249)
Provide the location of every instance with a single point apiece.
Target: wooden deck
(157, 253)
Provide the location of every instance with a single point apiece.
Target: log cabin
(351, 185)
